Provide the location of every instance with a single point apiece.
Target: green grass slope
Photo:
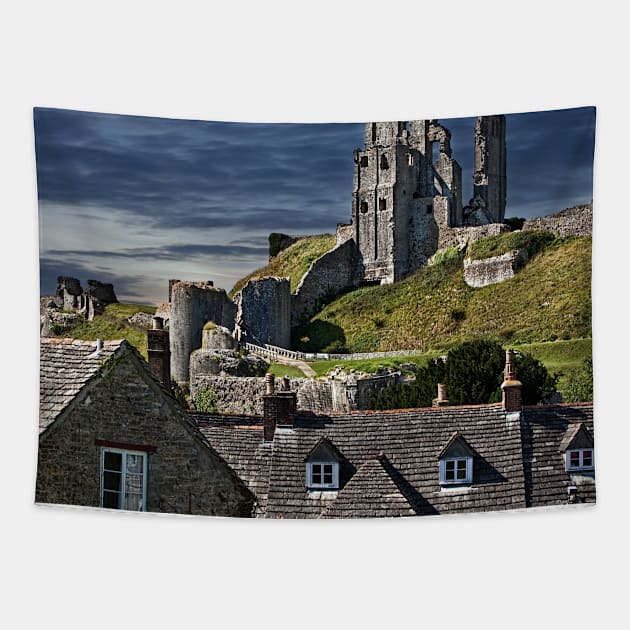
(433, 308)
(292, 262)
(113, 324)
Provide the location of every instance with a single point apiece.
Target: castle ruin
(407, 193)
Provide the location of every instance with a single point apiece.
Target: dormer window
(579, 459)
(577, 446)
(322, 466)
(456, 462)
(456, 470)
(322, 475)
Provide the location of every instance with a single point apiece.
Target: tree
(579, 387)
(473, 373)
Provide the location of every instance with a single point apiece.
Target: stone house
(438, 460)
(113, 436)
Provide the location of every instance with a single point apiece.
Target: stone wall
(192, 306)
(576, 221)
(263, 312)
(127, 406)
(329, 275)
(244, 395)
(481, 273)
(461, 237)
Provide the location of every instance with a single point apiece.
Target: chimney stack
(511, 387)
(441, 400)
(159, 352)
(278, 407)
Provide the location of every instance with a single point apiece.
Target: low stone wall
(487, 271)
(330, 274)
(576, 221)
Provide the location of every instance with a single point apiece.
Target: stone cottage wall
(126, 406)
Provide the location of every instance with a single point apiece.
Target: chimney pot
(441, 400)
(99, 345)
(158, 323)
(270, 383)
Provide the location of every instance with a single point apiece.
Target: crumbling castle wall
(462, 237)
(263, 312)
(487, 271)
(193, 304)
(576, 221)
(335, 271)
(245, 394)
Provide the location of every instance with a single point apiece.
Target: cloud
(184, 197)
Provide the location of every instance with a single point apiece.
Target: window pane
(328, 469)
(574, 459)
(134, 463)
(111, 481)
(587, 458)
(133, 502)
(112, 461)
(316, 474)
(328, 478)
(461, 464)
(133, 483)
(450, 466)
(110, 500)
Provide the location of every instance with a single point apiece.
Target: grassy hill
(113, 324)
(293, 261)
(548, 299)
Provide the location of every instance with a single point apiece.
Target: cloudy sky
(136, 201)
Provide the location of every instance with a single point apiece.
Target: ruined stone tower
(407, 195)
(402, 196)
(489, 179)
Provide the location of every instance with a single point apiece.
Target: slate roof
(544, 430)
(390, 464)
(65, 367)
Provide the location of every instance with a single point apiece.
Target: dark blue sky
(135, 201)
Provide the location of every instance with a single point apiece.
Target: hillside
(548, 299)
(113, 324)
(293, 261)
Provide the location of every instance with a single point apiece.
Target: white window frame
(454, 482)
(326, 486)
(580, 466)
(123, 477)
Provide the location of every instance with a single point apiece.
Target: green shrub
(205, 400)
(579, 383)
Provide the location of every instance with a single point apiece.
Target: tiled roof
(66, 365)
(372, 492)
(406, 446)
(544, 429)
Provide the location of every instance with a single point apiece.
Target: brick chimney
(159, 352)
(511, 387)
(278, 408)
(441, 400)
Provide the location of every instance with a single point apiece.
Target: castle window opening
(435, 152)
(430, 209)
(373, 132)
(364, 207)
(384, 162)
(364, 161)
(382, 204)
(409, 159)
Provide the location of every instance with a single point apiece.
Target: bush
(206, 400)
(473, 373)
(579, 385)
